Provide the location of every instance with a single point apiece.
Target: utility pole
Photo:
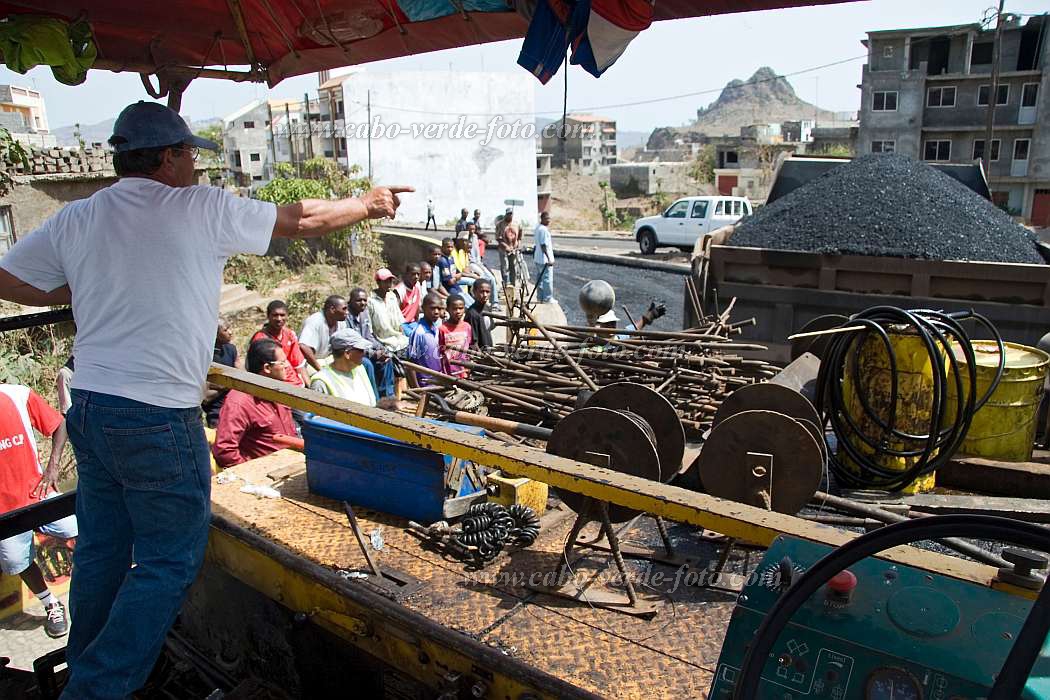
(993, 93)
(273, 139)
(291, 143)
(368, 103)
(309, 127)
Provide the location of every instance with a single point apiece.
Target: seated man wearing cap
(346, 377)
(384, 310)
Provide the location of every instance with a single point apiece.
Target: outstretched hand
(382, 202)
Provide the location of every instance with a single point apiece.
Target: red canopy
(283, 38)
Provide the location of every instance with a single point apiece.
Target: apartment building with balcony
(927, 93)
(23, 114)
(590, 143)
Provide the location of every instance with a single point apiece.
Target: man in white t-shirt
(141, 263)
(543, 256)
(314, 337)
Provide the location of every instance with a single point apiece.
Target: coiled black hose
(938, 332)
(489, 527)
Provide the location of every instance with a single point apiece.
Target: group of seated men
(353, 348)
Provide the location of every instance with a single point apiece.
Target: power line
(622, 104)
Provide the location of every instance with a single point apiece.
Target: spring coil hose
(489, 527)
(938, 332)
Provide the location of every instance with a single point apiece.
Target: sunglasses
(192, 150)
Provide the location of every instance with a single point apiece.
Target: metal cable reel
(630, 429)
(766, 447)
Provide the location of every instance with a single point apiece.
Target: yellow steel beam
(729, 518)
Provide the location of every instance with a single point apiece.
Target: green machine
(875, 630)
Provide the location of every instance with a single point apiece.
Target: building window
(981, 54)
(937, 150)
(341, 144)
(1021, 149)
(236, 159)
(887, 52)
(1002, 95)
(884, 101)
(1029, 94)
(254, 157)
(249, 125)
(7, 230)
(978, 149)
(883, 146)
(732, 157)
(257, 178)
(940, 97)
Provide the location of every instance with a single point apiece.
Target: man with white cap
(143, 254)
(346, 377)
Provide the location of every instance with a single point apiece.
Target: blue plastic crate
(378, 472)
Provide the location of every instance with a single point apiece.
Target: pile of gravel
(889, 205)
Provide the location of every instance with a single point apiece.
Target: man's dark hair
(445, 240)
(333, 301)
(412, 267)
(483, 283)
(274, 305)
(141, 161)
(261, 352)
(453, 298)
(433, 249)
(356, 290)
(432, 298)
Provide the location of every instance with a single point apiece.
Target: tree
(358, 245)
(702, 168)
(213, 159)
(12, 157)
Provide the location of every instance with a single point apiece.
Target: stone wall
(55, 161)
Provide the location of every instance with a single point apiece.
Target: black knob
(1025, 560)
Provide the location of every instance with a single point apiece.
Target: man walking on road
(543, 256)
(430, 215)
(143, 254)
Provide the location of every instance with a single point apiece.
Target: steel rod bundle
(546, 371)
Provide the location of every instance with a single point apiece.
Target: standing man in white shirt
(543, 257)
(146, 253)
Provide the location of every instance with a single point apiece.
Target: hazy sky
(670, 58)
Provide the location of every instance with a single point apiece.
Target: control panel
(877, 631)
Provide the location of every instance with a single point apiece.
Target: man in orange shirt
(276, 329)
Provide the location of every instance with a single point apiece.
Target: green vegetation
(358, 247)
(702, 168)
(12, 154)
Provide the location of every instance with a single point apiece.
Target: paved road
(635, 288)
(605, 243)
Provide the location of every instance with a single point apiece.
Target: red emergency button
(843, 583)
(840, 589)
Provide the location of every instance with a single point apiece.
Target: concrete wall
(637, 179)
(903, 125)
(35, 201)
(480, 171)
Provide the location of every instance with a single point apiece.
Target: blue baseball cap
(152, 125)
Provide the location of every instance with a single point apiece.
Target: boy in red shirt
(276, 329)
(22, 484)
(454, 336)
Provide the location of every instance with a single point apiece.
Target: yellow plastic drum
(914, 406)
(1004, 428)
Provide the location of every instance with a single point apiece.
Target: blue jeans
(145, 485)
(386, 369)
(544, 283)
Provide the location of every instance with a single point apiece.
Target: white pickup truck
(686, 220)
